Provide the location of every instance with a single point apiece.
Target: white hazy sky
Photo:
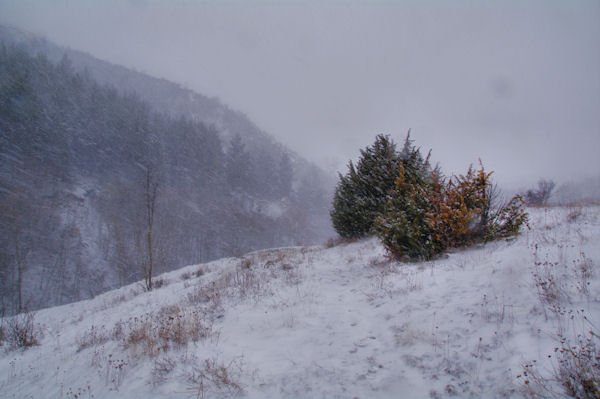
(516, 83)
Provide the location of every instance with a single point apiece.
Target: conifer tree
(402, 226)
(361, 194)
(238, 165)
(284, 177)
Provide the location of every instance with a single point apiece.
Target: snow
(316, 322)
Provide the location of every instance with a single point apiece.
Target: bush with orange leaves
(459, 208)
(426, 214)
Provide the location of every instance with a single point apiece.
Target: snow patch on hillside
(315, 322)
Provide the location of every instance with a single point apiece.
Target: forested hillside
(98, 188)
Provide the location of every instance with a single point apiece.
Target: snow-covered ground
(340, 322)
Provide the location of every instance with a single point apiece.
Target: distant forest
(95, 183)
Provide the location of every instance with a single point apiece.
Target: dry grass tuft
(170, 327)
(91, 338)
(574, 366)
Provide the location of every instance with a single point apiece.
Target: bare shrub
(541, 195)
(159, 283)
(287, 267)
(20, 331)
(246, 263)
(216, 378)
(186, 276)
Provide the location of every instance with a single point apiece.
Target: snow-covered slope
(340, 322)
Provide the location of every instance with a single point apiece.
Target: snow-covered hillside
(339, 322)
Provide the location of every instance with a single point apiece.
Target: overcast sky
(516, 83)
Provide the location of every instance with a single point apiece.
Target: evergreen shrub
(417, 212)
(361, 194)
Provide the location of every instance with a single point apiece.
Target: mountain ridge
(182, 102)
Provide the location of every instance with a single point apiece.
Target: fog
(516, 84)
